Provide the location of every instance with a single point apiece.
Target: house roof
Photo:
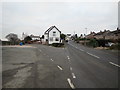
(47, 31)
(32, 36)
(103, 33)
(116, 31)
(4, 40)
(68, 34)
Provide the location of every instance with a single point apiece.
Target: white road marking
(114, 64)
(51, 59)
(68, 57)
(69, 60)
(76, 47)
(70, 83)
(81, 49)
(71, 68)
(93, 55)
(59, 67)
(40, 50)
(73, 75)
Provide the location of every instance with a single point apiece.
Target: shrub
(93, 43)
(116, 47)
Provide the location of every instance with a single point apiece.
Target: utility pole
(74, 35)
(74, 32)
(86, 30)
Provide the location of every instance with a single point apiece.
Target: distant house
(35, 37)
(91, 35)
(52, 35)
(113, 35)
(68, 37)
(24, 35)
(107, 34)
(102, 34)
(4, 42)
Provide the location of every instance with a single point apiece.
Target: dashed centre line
(51, 59)
(93, 55)
(73, 75)
(81, 49)
(114, 64)
(59, 67)
(70, 83)
(71, 68)
(68, 57)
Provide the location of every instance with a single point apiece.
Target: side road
(28, 67)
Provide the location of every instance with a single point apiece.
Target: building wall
(98, 36)
(112, 37)
(45, 37)
(54, 36)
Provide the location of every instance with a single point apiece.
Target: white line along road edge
(70, 83)
(93, 55)
(114, 64)
(76, 47)
(59, 67)
(81, 49)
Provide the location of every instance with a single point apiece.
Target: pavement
(74, 66)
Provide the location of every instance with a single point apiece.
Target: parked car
(66, 40)
(29, 42)
(109, 44)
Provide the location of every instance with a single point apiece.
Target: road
(73, 66)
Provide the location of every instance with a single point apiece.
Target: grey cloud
(35, 18)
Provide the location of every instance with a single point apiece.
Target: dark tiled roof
(116, 32)
(108, 32)
(34, 36)
(102, 33)
(46, 32)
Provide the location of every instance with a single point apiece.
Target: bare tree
(13, 38)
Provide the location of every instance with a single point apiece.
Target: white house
(24, 35)
(52, 35)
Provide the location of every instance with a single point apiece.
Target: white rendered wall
(54, 37)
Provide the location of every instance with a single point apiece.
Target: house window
(54, 33)
(51, 38)
(57, 39)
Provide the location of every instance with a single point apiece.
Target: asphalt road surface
(73, 66)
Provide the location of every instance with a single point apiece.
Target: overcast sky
(69, 17)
